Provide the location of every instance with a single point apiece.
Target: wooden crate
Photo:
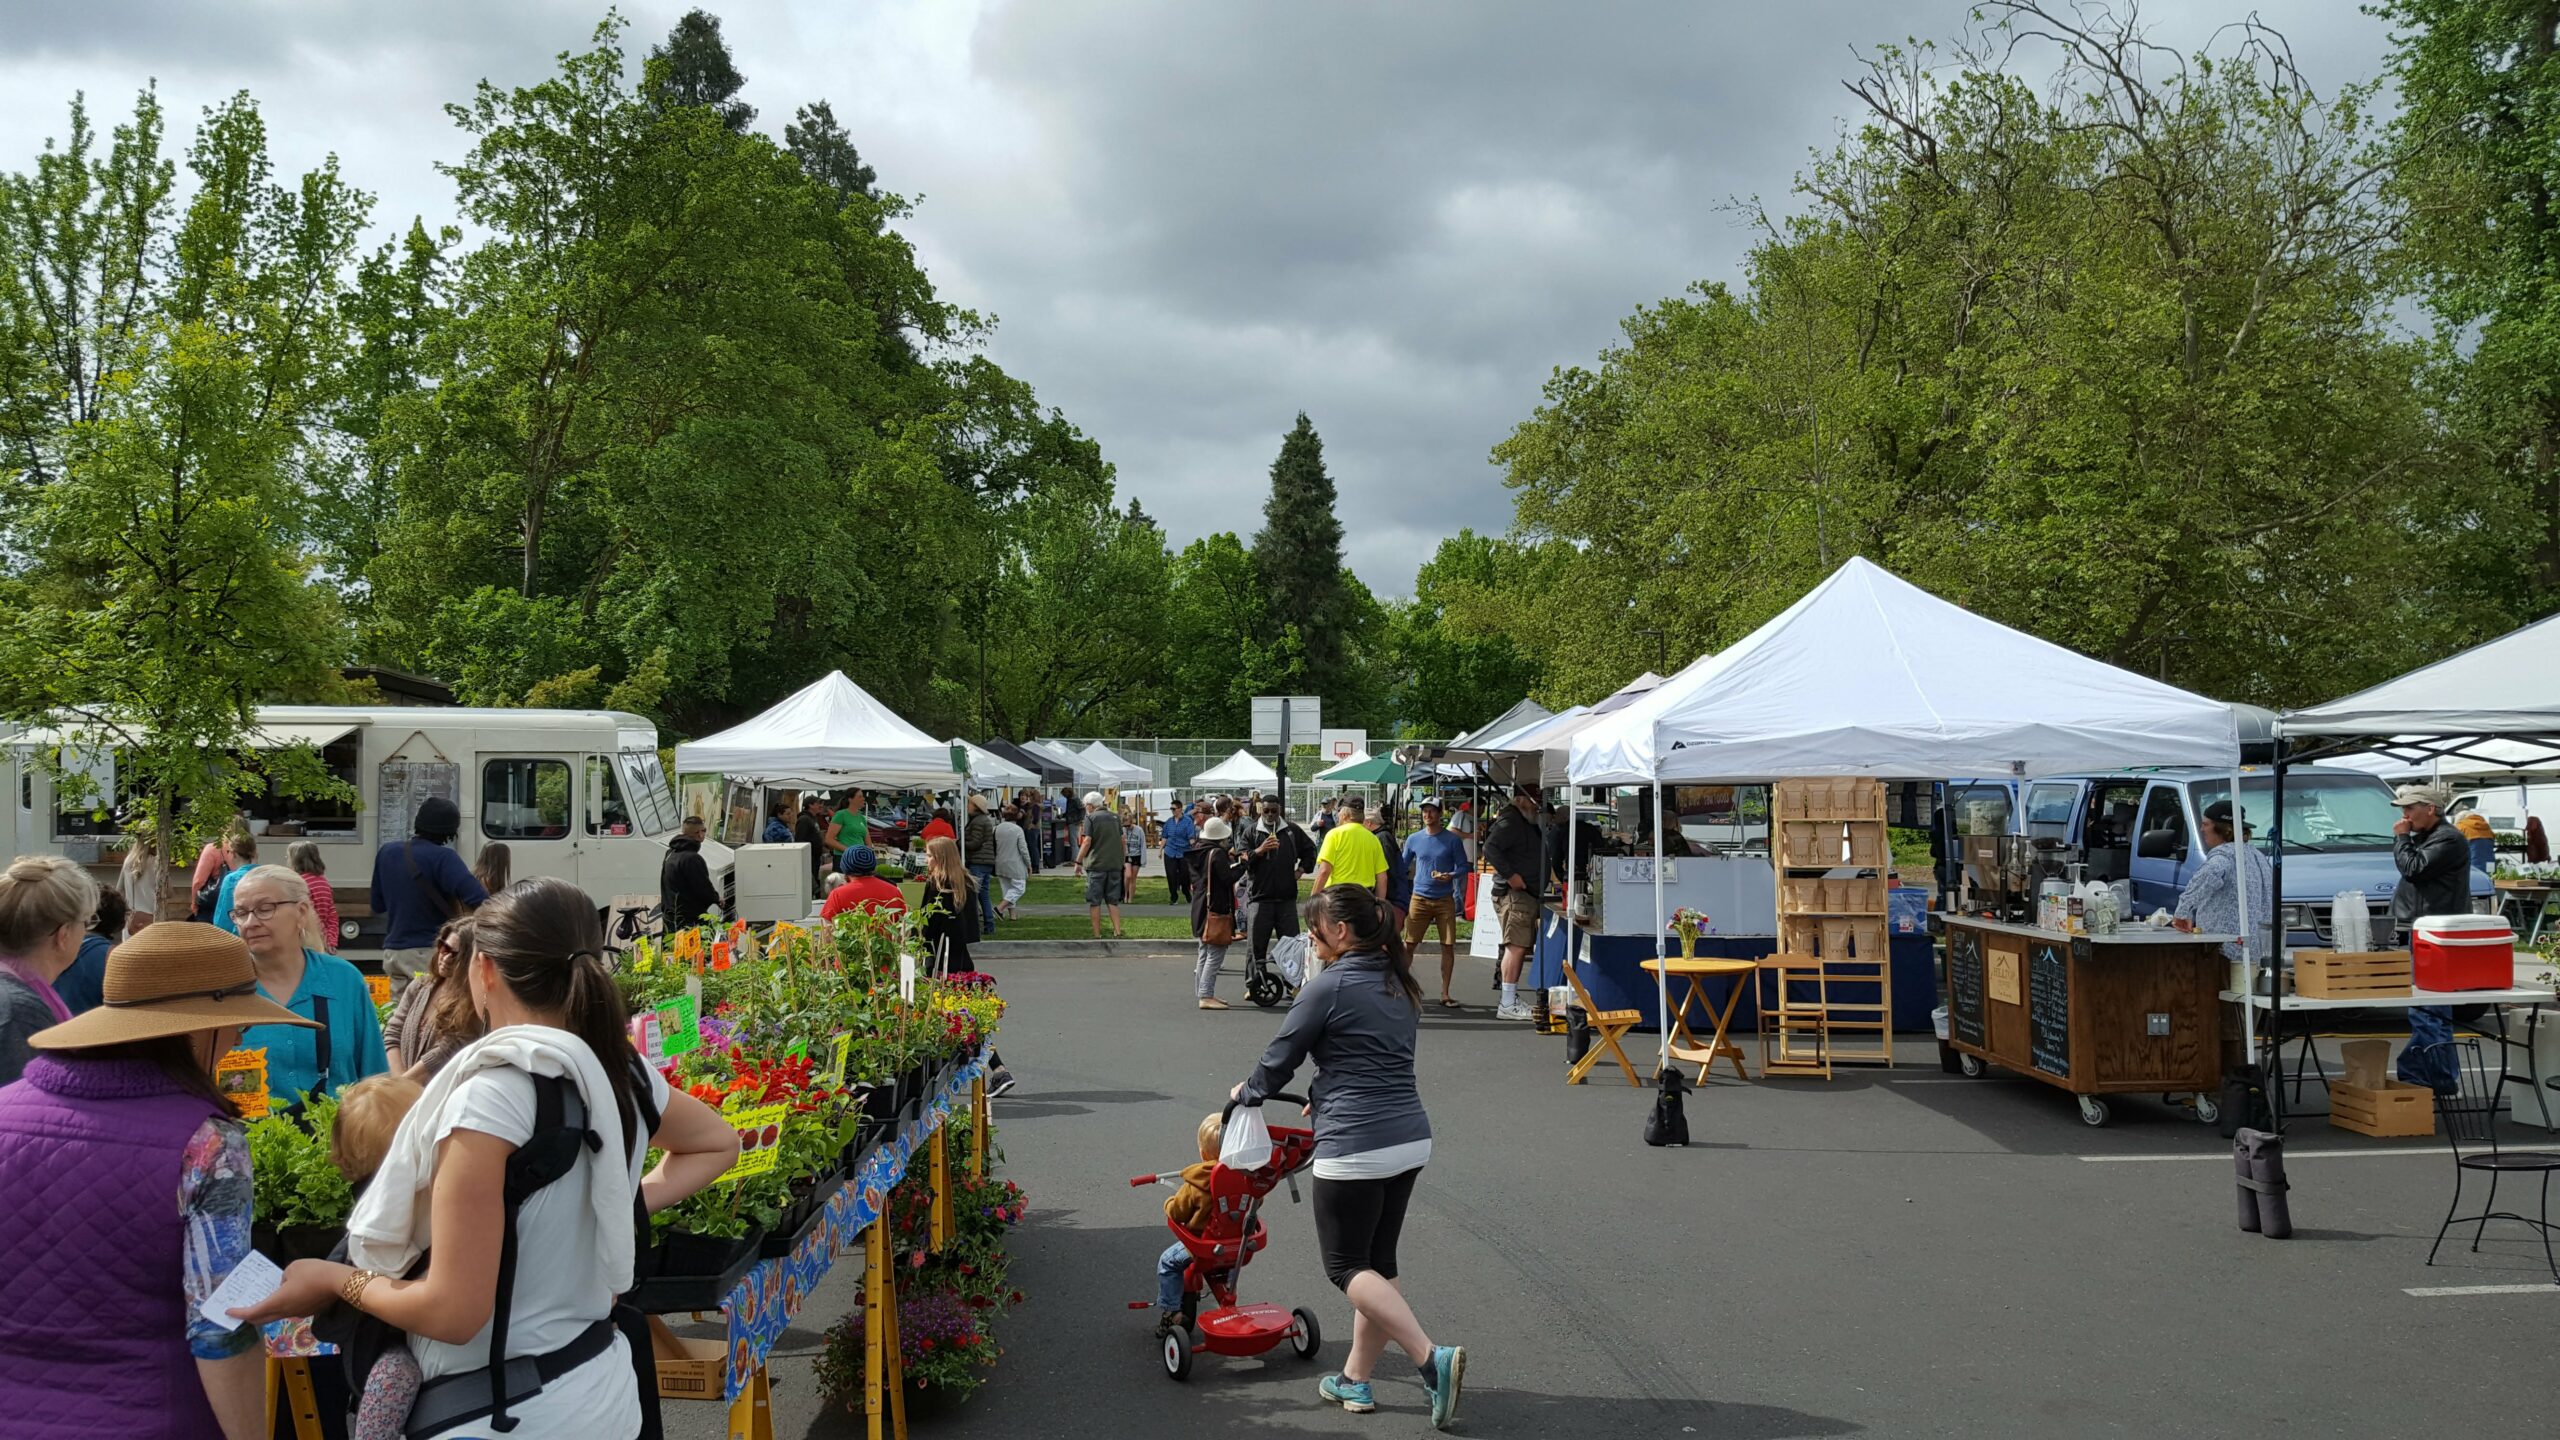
(2350, 974)
(2394, 1110)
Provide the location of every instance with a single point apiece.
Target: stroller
(1275, 978)
(1226, 1247)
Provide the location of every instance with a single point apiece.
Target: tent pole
(2240, 885)
(1661, 972)
(1564, 966)
(2274, 961)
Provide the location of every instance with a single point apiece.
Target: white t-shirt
(558, 1293)
(1381, 1164)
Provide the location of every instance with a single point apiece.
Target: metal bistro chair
(2470, 1118)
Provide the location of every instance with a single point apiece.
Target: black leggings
(1357, 1223)
(1276, 916)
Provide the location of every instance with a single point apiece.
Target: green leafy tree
(1447, 677)
(827, 153)
(2112, 362)
(2477, 164)
(170, 370)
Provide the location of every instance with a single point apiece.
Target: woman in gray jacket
(1358, 1017)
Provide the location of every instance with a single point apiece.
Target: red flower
(925, 1344)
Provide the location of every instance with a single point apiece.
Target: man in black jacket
(1516, 849)
(2434, 862)
(1280, 852)
(685, 890)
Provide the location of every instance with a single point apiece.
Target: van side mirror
(2161, 845)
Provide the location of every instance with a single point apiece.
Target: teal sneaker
(1448, 1372)
(1349, 1394)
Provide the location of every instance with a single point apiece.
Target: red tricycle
(1235, 1231)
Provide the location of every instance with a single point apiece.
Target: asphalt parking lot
(1895, 1253)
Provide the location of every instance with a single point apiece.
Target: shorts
(1518, 911)
(1105, 887)
(1428, 912)
(1358, 1223)
(408, 962)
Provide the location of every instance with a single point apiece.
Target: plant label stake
(907, 977)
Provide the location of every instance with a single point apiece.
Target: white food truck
(579, 794)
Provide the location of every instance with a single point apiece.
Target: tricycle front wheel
(1177, 1353)
(1305, 1336)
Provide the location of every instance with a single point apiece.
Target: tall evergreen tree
(1298, 557)
(694, 68)
(827, 152)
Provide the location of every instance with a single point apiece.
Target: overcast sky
(1192, 220)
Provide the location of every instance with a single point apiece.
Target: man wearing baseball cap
(1102, 854)
(2435, 879)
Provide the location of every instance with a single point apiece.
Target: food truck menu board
(1964, 986)
(2049, 1007)
(404, 785)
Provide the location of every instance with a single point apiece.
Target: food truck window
(645, 785)
(317, 817)
(606, 814)
(524, 799)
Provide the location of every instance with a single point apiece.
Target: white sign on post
(1341, 745)
(907, 977)
(1306, 719)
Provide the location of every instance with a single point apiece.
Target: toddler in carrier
(1189, 1207)
(369, 1111)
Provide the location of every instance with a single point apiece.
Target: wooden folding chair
(1606, 1027)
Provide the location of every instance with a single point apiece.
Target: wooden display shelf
(1833, 925)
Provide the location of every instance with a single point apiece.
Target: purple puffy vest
(93, 1340)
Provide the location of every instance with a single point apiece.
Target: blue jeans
(982, 878)
(2429, 1025)
(1169, 1268)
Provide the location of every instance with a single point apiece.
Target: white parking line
(2225, 1156)
(2433, 1291)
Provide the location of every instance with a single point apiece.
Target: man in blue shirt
(418, 884)
(1178, 835)
(1438, 861)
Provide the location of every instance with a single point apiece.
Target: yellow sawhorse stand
(884, 1374)
(289, 1383)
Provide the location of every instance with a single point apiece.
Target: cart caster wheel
(2093, 1111)
(1305, 1337)
(1972, 1066)
(2208, 1110)
(1262, 988)
(1177, 1354)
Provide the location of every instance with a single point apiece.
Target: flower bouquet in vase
(1688, 924)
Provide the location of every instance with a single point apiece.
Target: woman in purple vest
(126, 1179)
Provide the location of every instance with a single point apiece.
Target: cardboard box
(688, 1369)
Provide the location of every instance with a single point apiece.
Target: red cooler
(2463, 952)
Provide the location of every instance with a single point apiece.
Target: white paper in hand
(252, 1280)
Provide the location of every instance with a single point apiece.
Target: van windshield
(2321, 812)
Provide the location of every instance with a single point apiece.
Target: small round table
(1684, 1044)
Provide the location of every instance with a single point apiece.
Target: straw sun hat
(172, 979)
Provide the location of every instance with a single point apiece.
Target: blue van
(2135, 825)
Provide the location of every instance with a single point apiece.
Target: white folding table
(2271, 1041)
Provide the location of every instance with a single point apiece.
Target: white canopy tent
(2493, 709)
(1237, 771)
(1117, 770)
(1085, 771)
(991, 771)
(830, 733)
(1470, 745)
(1870, 674)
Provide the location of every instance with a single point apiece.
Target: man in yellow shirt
(1351, 854)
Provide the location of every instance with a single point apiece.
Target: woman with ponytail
(1358, 1018)
(537, 978)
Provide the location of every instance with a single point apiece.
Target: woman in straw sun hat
(127, 1176)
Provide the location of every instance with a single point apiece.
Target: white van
(2505, 806)
(579, 794)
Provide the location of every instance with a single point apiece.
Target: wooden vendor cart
(2136, 1012)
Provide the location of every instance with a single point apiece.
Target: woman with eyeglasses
(272, 908)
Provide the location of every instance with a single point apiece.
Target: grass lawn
(1065, 887)
(1077, 927)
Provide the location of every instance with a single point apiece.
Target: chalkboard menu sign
(1964, 986)
(2049, 1008)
